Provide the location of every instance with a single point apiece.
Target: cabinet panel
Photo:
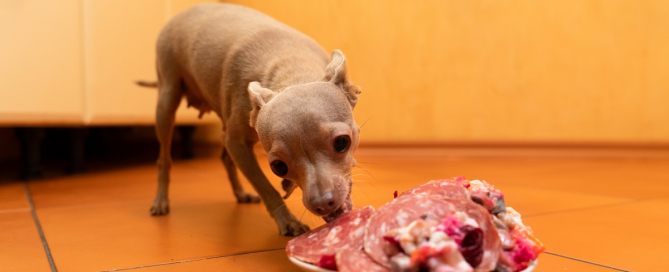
(40, 63)
(120, 39)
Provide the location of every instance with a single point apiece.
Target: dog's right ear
(259, 97)
(335, 73)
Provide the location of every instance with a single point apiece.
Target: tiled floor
(594, 211)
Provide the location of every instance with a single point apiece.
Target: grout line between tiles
(625, 202)
(52, 264)
(583, 261)
(192, 260)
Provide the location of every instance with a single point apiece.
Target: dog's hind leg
(169, 97)
(242, 196)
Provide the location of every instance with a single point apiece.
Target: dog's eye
(279, 168)
(342, 143)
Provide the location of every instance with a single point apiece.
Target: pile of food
(443, 225)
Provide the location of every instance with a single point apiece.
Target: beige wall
(480, 70)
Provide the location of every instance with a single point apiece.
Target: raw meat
(410, 207)
(443, 189)
(356, 260)
(345, 232)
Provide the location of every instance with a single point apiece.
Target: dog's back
(217, 49)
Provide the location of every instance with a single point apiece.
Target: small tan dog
(267, 82)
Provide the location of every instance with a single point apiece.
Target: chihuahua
(269, 83)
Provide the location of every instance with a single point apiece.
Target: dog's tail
(148, 84)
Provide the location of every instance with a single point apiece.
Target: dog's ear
(335, 73)
(259, 97)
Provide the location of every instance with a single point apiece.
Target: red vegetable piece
(472, 245)
(328, 262)
(394, 242)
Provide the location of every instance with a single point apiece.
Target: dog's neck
(293, 71)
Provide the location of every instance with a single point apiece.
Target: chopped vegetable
(328, 262)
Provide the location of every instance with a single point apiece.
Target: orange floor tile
(13, 197)
(594, 211)
(20, 245)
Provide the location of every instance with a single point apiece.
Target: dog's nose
(324, 204)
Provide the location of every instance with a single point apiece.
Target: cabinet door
(119, 46)
(40, 63)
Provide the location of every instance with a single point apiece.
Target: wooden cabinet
(41, 71)
(119, 48)
(75, 62)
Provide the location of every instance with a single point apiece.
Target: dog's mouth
(346, 207)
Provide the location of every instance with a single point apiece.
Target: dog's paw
(291, 227)
(160, 206)
(245, 197)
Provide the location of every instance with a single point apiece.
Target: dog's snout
(324, 204)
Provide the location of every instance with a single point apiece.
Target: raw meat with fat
(442, 189)
(344, 232)
(410, 207)
(356, 260)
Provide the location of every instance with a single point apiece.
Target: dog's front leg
(242, 154)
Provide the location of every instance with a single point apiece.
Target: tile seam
(587, 262)
(192, 260)
(42, 237)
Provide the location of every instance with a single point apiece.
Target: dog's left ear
(335, 73)
(259, 96)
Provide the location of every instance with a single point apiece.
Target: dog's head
(309, 135)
